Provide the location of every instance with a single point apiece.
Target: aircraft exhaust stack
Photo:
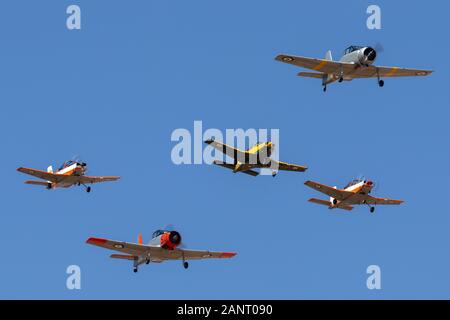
(328, 56)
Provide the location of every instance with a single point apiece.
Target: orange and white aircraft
(163, 246)
(355, 193)
(69, 174)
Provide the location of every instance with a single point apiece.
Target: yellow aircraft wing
(385, 72)
(228, 150)
(350, 70)
(320, 65)
(289, 167)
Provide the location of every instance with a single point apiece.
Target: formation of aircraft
(163, 246)
(70, 173)
(257, 157)
(357, 192)
(357, 62)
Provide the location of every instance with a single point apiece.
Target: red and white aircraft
(69, 174)
(163, 246)
(355, 193)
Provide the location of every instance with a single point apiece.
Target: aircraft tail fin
(328, 56)
(50, 169)
(140, 241)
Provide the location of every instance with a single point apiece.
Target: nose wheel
(185, 264)
(381, 83)
(372, 209)
(88, 189)
(135, 269)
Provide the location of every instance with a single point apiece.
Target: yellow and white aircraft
(257, 157)
(69, 174)
(163, 246)
(357, 62)
(355, 193)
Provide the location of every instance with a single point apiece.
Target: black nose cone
(370, 53)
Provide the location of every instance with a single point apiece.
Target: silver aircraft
(357, 62)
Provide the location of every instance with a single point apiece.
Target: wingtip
(228, 254)
(93, 240)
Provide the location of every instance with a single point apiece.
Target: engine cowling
(367, 56)
(170, 240)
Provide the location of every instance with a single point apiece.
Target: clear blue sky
(113, 93)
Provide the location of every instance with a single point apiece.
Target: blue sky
(114, 91)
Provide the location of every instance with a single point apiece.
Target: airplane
(357, 62)
(69, 173)
(162, 247)
(357, 192)
(256, 157)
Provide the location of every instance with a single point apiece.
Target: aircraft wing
(231, 167)
(135, 250)
(329, 191)
(289, 167)
(385, 72)
(350, 70)
(43, 175)
(321, 65)
(202, 254)
(381, 201)
(228, 150)
(90, 179)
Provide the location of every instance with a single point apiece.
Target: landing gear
(341, 79)
(135, 269)
(380, 82)
(335, 202)
(88, 189)
(274, 174)
(324, 88)
(185, 264)
(372, 209)
(147, 262)
(49, 185)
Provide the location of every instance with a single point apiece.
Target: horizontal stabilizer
(322, 202)
(311, 75)
(231, 167)
(37, 183)
(122, 256)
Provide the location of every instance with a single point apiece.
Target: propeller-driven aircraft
(357, 62)
(69, 173)
(355, 193)
(163, 246)
(257, 157)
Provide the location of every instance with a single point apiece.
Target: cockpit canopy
(66, 164)
(352, 49)
(158, 233)
(352, 183)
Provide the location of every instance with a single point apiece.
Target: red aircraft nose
(369, 183)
